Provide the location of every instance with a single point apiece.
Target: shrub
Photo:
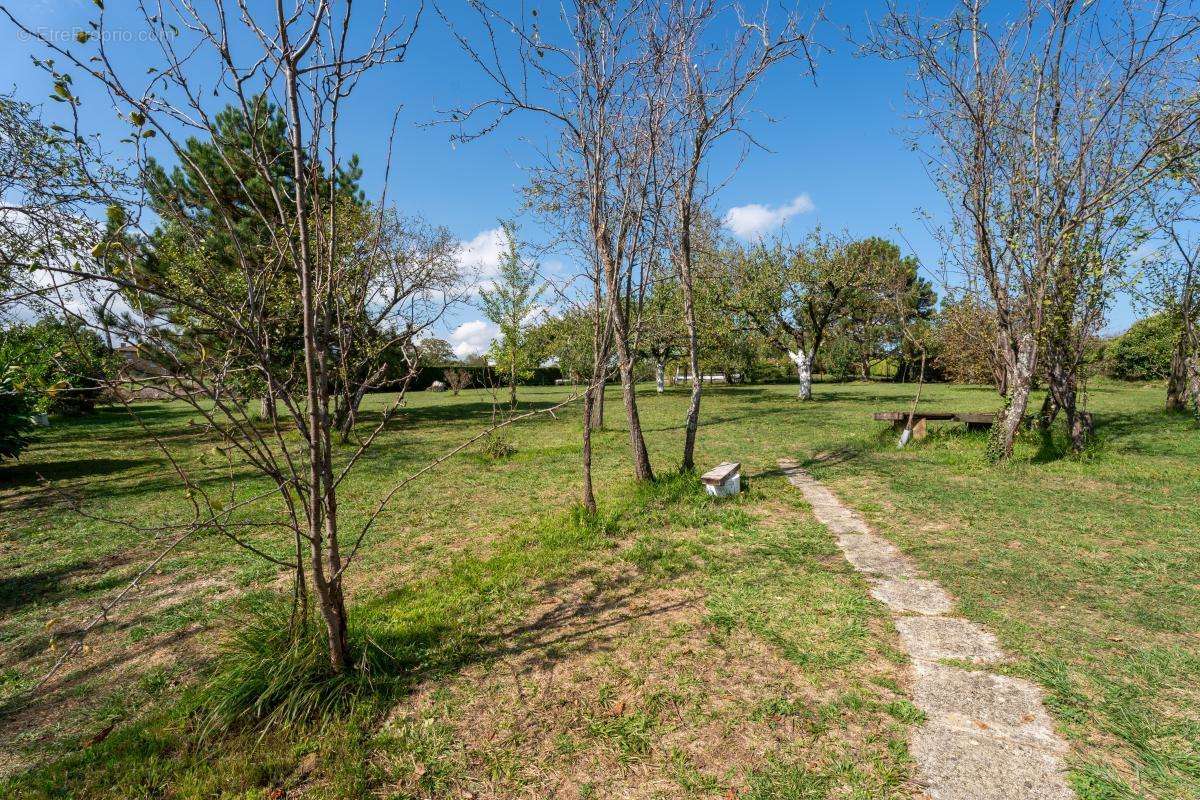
(962, 340)
(14, 419)
(60, 367)
(498, 446)
(1143, 352)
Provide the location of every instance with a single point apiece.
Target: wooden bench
(723, 480)
(975, 420)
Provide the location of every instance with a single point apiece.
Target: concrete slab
(903, 595)
(938, 638)
(985, 736)
(976, 700)
(961, 765)
(875, 555)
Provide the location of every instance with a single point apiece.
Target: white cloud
(538, 314)
(472, 338)
(754, 220)
(480, 256)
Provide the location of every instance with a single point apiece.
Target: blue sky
(835, 154)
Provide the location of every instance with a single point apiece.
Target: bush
(498, 446)
(1143, 353)
(14, 419)
(60, 367)
(962, 341)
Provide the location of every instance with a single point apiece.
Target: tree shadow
(20, 474)
(47, 585)
(464, 409)
(571, 621)
(591, 618)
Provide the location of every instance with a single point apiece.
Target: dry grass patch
(708, 661)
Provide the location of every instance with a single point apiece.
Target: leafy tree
(795, 296)
(216, 206)
(661, 335)
(882, 313)
(434, 352)
(1143, 353)
(567, 340)
(508, 305)
(61, 367)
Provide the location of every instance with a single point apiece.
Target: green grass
(689, 621)
(1087, 567)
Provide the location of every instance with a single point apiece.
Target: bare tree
(587, 75)
(712, 82)
(1171, 276)
(398, 277)
(1037, 132)
(47, 187)
(300, 57)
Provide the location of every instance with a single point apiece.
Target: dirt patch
(115, 656)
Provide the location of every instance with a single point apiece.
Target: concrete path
(985, 736)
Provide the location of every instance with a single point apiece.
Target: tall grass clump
(274, 672)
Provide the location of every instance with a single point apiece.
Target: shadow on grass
(535, 596)
(110, 480)
(462, 408)
(48, 585)
(21, 474)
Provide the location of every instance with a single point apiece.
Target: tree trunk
(266, 407)
(321, 490)
(999, 365)
(1019, 384)
(589, 401)
(596, 419)
(660, 376)
(689, 319)
(512, 389)
(1193, 382)
(332, 605)
(1048, 413)
(1177, 381)
(693, 416)
(637, 443)
(1079, 423)
(803, 363)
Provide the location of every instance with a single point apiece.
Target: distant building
(139, 376)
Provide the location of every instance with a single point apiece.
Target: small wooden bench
(723, 480)
(975, 420)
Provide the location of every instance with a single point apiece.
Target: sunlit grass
(1087, 568)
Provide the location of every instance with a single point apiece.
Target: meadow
(673, 646)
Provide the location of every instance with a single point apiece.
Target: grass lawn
(676, 647)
